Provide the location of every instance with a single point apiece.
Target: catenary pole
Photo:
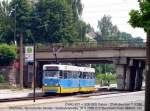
(21, 60)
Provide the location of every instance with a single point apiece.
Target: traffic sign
(29, 53)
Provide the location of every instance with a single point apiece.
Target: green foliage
(140, 18)
(105, 26)
(106, 77)
(42, 21)
(54, 22)
(21, 14)
(6, 23)
(76, 7)
(7, 54)
(108, 31)
(135, 19)
(2, 79)
(104, 68)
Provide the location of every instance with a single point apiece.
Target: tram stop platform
(18, 93)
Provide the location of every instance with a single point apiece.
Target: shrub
(106, 77)
(2, 79)
(7, 54)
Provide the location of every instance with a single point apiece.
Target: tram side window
(64, 73)
(69, 75)
(84, 75)
(93, 75)
(75, 74)
(61, 74)
(80, 75)
(88, 75)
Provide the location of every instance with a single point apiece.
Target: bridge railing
(102, 44)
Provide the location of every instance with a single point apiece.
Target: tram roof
(69, 68)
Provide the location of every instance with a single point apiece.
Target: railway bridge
(128, 58)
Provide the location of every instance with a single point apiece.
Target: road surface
(115, 102)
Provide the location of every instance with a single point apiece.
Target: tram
(68, 79)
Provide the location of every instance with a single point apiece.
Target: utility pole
(34, 73)
(21, 60)
(15, 28)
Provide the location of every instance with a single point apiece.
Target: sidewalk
(16, 93)
(111, 86)
(10, 93)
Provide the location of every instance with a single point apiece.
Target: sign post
(30, 57)
(29, 53)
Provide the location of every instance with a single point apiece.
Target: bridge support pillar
(139, 76)
(131, 75)
(121, 63)
(120, 71)
(133, 79)
(127, 78)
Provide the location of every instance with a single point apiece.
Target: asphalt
(56, 100)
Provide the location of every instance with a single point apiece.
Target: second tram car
(68, 79)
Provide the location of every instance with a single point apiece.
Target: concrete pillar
(132, 78)
(120, 71)
(139, 76)
(138, 79)
(127, 79)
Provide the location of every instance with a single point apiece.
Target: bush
(2, 79)
(7, 54)
(106, 77)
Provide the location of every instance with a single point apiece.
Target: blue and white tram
(68, 79)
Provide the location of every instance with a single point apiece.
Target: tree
(8, 54)
(105, 26)
(21, 13)
(107, 29)
(54, 22)
(89, 28)
(6, 23)
(77, 8)
(140, 18)
(41, 20)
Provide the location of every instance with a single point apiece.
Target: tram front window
(52, 74)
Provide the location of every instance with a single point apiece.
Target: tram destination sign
(29, 53)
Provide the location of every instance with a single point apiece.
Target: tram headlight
(45, 84)
(56, 84)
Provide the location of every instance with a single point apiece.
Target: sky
(119, 10)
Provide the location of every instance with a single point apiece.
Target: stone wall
(9, 73)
